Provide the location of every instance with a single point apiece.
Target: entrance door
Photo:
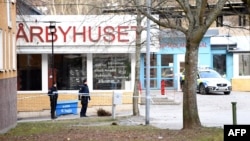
(219, 63)
(180, 69)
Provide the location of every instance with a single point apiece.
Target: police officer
(53, 94)
(84, 97)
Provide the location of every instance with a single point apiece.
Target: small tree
(137, 64)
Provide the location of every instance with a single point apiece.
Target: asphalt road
(215, 110)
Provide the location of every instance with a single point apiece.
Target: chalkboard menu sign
(109, 72)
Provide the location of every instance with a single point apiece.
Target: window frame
(9, 18)
(1, 51)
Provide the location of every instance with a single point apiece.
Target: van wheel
(202, 89)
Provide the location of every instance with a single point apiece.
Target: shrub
(102, 112)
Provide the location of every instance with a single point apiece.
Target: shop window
(152, 60)
(244, 65)
(29, 72)
(168, 82)
(110, 71)
(167, 73)
(152, 72)
(167, 60)
(69, 70)
(153, 83)
(219, 63)
(167, 69)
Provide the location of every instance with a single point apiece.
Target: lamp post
(52, 29)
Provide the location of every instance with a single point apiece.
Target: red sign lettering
(76, 34)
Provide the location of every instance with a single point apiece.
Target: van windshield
(209, 74)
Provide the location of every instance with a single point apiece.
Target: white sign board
(117, 97)
(80, 33)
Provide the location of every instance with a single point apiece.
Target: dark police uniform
(53, 94)
(84, 97)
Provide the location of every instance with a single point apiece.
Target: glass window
(167, 73)
(244, 64)
(152, 72)
(69, 70)
(13, 52)
(219, 63)
(153, 83)
(167, 69)
(153, 64)
(152, 60)
(169, 82)
(167, 60)
(9, 18)
(110, 71)
(29, 72)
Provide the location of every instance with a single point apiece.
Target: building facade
(99, 48)
(168, 63)
(226, 53)
(241, 62)
(8, 68)
(102, 49)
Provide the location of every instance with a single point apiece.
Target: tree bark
(137, 65)
(190, 110)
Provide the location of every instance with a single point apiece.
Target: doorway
(180, 69)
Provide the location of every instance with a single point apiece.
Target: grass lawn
(104, 129)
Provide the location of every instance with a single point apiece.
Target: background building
(79, 55)
(100, 48)
(8, 73)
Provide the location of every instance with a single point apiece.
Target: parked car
(208, 81)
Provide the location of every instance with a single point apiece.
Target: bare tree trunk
(190, 110)
(137, 65)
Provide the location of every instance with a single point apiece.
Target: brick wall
(39, 102)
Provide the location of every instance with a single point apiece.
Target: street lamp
(52, 29)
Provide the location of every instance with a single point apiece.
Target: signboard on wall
(78, 30)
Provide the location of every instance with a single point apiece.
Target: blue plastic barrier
(66, 107)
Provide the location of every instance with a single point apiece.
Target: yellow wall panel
(39, 102)
(241, 84)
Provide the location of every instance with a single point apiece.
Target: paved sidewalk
(120, 110)
(215, 110)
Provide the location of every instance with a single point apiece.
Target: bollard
(162, 87)
(117, 99)
(234, 113)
